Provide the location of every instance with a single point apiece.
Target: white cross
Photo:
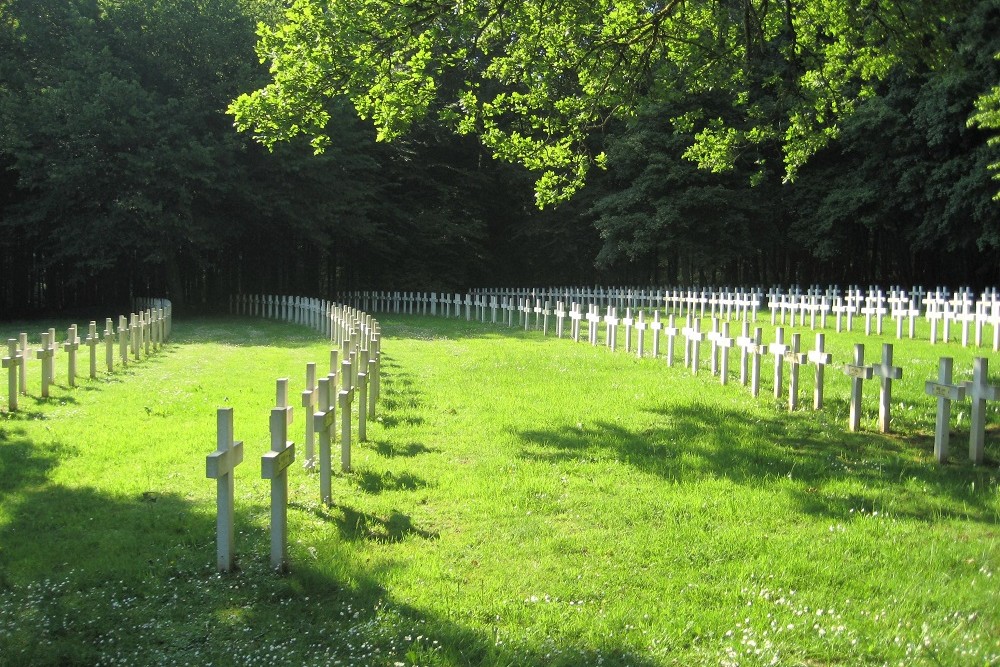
(692, 347)
(820, 358)
(794, 359)
(309, 399)
(71, 345)
(12, 363)
(344, 399)
(886, 373)
(274, 466)
(946, 392)
(220, 466)
(979, 391)
(724, 342)
(46, 353)
(670, 331)
(858, 373)
(656, 326)
(778, 349)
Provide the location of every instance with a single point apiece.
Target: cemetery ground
(520, 501)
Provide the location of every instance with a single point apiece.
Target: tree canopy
(534, 78)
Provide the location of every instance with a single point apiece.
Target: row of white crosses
(751, 348)
(792, 306)
(357, 365)
(143, 332)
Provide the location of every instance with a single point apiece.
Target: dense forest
(121, 173)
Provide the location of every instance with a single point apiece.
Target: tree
(987, 116)
(534, 78)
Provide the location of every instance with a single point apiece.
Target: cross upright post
(309, 397)
(744, 342)
(71, 345)
(886, 373)
(324, 420)
(45, 353)
(724, 342)
(945, 392)
(12, 363)
(25, 354)
(92, 341)
(794, 359)
(220, 465)
(363, 395)
(820, 358)
(778, 349)
(670, 331)
(640, 326)
(345, 397)
(979, 390)
(628, 322)
(756, 348)
(858, 373)
(656, 326)
(274, 466)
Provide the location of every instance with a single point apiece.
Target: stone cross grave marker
(362, 389)
(886, 373)
(546, 314)
(575, 316)
(25, 354)
(820, 359)
(725, 342)
(274, 466)
(92, 342)
(694, 338)
(778, 349)
(713, 350)
(324, 421)
(45, 354)
(979, 390)
(54, 346)
(560, 318)
(123, 331)
(345, 397)
(611, 327)
(744, 342)
(629, 323)
(109, 345)
(795, 359)
(945, 392)
(656, 326)
(671, 331)
(593, 321)
(220, 465)
(640, 326)
(756, 349)
(12, 363)
(309, 399)
(70, 346)
(858, 373)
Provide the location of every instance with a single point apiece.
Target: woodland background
(121, 174)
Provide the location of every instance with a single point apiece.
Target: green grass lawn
(520, 501)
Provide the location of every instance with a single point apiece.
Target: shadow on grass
(88, 577)
(690, 442)
(399, 399)
(373, 482)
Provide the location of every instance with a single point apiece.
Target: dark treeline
(121, 174)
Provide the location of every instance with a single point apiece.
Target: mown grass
(521, 501)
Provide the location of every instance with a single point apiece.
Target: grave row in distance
(358, 337)
(141, 333)
(751, 348)
(943, 310)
